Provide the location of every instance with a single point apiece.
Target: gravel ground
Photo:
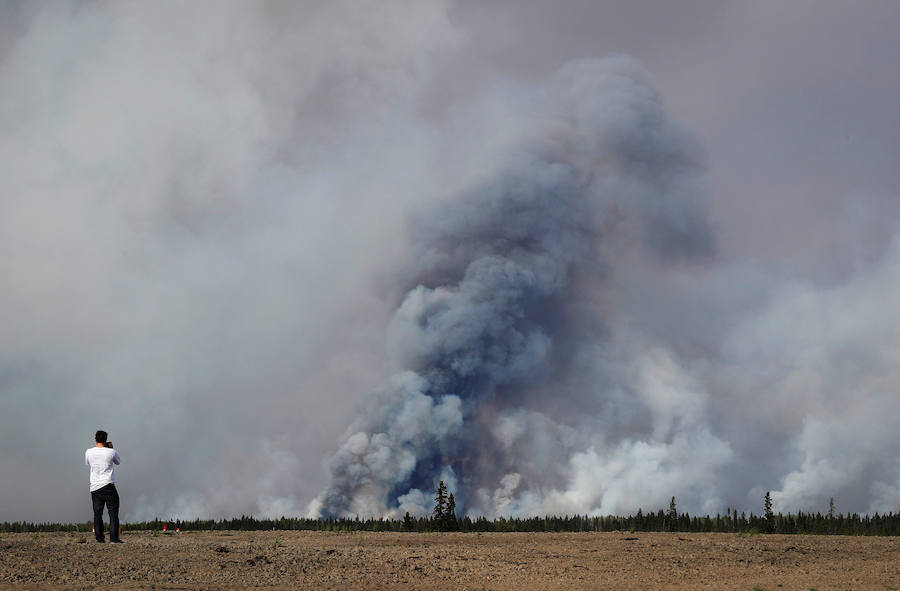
(520, 561)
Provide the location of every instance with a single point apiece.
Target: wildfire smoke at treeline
(533, 368)
(500, 343)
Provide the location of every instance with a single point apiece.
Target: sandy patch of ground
(519, 561)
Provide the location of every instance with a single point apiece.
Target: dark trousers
(109, 496)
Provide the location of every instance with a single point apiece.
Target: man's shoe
(101, 541)
(117, 541)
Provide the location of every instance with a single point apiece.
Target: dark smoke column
(499, 295)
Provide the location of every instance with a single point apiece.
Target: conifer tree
(407, 522)
(673, 515)
(450, 515)
(440, 506)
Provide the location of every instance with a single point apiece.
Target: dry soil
(520, 561)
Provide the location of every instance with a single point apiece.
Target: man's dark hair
(100, 437)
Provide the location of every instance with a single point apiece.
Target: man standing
(101, 458)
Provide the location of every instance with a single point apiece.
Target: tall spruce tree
(672, 516)
(439, 515)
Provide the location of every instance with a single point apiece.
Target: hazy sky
(211, 213)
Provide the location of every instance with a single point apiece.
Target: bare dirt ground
(519, 561)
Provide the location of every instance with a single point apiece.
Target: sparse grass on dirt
(502, 561)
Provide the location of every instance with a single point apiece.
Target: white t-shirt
(101, 460)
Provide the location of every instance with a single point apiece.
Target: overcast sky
(208, 217)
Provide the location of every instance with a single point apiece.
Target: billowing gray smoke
(506, 302)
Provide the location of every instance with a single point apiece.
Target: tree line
(444, 518)
(887, 524)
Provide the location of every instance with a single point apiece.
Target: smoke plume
(494, 344)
